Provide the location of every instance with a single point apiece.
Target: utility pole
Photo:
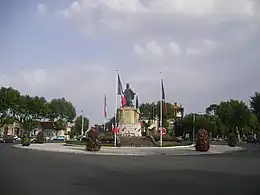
(82, 122)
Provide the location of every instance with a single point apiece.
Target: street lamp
(82, 123)
(193, 129)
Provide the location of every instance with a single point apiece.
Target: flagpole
(115, 128)
(161, 115)
(105, 113)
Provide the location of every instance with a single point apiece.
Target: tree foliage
(255, 105)
(76, 129)
(219, 119)
(30, 110)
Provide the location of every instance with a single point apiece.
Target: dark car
(9, 139)
(2, 139)
(251, 139)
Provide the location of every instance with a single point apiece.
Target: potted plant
(93, 142)
(26, 139)
(202, 141)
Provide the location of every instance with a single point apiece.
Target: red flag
(115, 130)
(163, 131)
(123, 100)
(165, 107)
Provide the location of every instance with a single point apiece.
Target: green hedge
(107, 138)
(75, 142)
(165, 138)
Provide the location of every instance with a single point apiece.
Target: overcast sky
(208, 50)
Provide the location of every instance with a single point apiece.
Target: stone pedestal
(129, 122)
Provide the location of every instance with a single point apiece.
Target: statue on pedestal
(129, 116)
(129, 95)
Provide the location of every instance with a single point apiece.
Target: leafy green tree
(78, 125)
(234, 114)
(211, 110)
(150, 110)
(29, 110)
(62, 110)
(59, 125)
(201, 121)
(255, 105)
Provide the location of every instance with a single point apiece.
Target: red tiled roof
(46, 125)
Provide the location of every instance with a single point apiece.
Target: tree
(60, 112)
(201, 121)
(150, 110)
(9, 100)
(211, 110)
(255, 105)
(78, 125)
(234, 114)
(30, 110)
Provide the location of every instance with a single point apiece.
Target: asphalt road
(26, 172)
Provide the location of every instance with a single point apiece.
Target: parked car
(81, 138)
(2, 140)
(58, 138)
(33, 139)
(251, 139)
(9, 139)
(17, 138)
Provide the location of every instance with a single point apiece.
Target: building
(178, 111)
(14, 128)
(49, 131)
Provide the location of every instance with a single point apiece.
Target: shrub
(107, 138)
(232, 139)
(25, 139)
(165, 138)
(202, 141)
(40, 138)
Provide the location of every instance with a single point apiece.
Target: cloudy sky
(208, 50)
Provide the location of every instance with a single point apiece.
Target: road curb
(129, 147)
(124, 153)
(80, 152)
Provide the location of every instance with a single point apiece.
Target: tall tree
(78, 125)
(201, 121)
(211, 110)
(255, 105)
(61, 112)
(234, 114)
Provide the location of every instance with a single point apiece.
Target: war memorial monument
(129, 116)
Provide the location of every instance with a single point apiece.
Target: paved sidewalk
(138, 151)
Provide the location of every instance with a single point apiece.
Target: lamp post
(193, 129)
(194, 126)
(82, 123)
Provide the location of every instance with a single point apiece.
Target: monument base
(129, 122)
(132, 130)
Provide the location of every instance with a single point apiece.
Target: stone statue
(129, 95)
